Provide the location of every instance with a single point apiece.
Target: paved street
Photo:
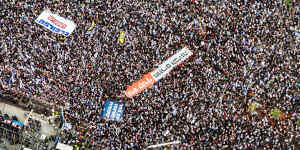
(46, 129)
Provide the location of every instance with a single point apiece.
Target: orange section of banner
(140, 85)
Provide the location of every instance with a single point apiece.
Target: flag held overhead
(122, 37)
(92, 26)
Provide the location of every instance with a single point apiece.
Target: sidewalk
(46, 128)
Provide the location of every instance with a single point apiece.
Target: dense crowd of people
(244, 52)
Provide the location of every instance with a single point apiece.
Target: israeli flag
(12, 76)
(245, 91)
(32, 68)
(21, 84)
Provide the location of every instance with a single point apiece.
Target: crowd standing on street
(244, 52)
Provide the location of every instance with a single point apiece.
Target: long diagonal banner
(150, 78)
(56, 23)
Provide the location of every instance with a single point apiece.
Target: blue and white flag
(9, 81)
(113, 110)
(32, 68)
(62, 117)
(12, 76)
(90, 103)
(21, 83)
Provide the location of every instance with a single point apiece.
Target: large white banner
(170, 63)
(150, 78)
(56, 23)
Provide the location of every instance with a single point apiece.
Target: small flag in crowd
(44, 78)
(62, 38)
(276, 113)
(12, 76)
(9, 81)
(21, 83)
(93, 24)
(32, 68)
(122, 37)
(251, 93)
